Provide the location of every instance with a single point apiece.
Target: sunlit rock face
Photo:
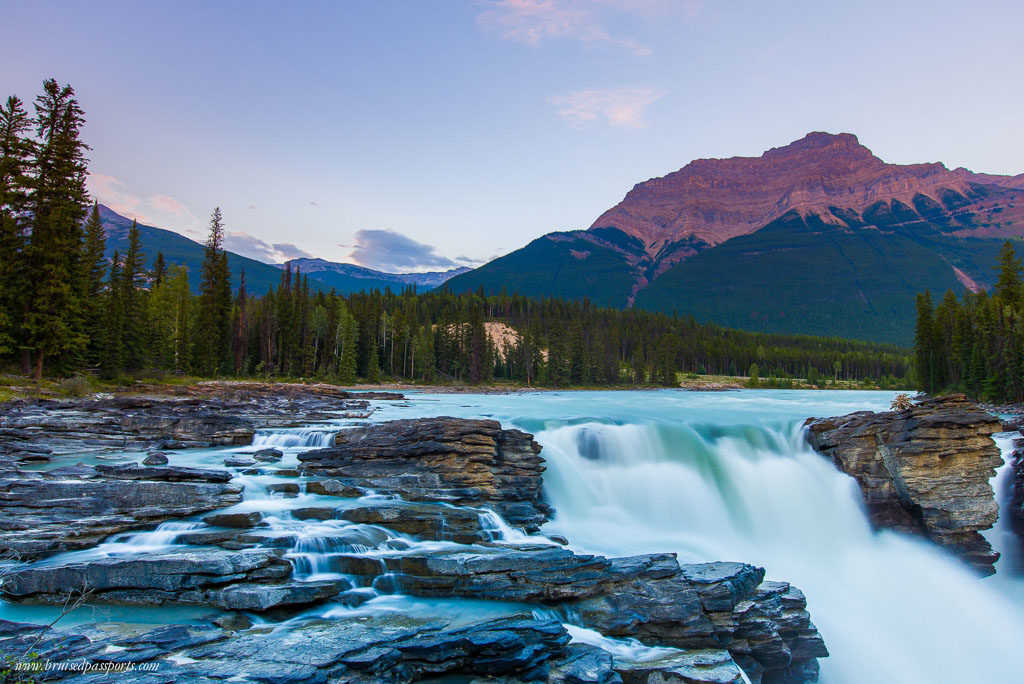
(924, 470)
(713, 200)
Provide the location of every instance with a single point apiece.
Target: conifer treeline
(974, 344)
(44, 277)
(62, 303)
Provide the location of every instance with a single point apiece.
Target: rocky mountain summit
(817, 237)
(713, 200)
(924, 470)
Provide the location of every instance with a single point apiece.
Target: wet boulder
(268, 455)
(468, 462)
(250, 519)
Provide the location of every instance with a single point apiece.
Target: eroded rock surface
(924, 470)
(77, 507)
(34, 429)
(455, 460)
(764, 625)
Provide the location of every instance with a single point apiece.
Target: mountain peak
(819, 140)
(713, 200)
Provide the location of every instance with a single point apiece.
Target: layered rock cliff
(923, 471)
(464, 462)
(713, 200)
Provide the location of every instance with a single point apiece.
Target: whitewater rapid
(890, 608)
(723, 476)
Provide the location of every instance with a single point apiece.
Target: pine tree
(53, 320)
(159, 270)
(112, 351)
(161, 317)
(133, 309)
(478, 353)
(181, 303)
(1008, 286)
(347, 341)
(16, 152)
(239, 326)
(94, 267)
(213, 328)
(924, 342)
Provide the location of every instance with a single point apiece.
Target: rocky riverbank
(37, 429)
(924, 470)
(401, 508)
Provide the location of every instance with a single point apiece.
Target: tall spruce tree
(1008, 286)
(112, 352)
(213, 327)
(94, 268)
(16, 152)
(924, 342)
(181, 303)
(134, 312)
(53, 318)
(159, 274)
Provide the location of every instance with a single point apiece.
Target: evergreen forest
(974, 344)
(66, 308)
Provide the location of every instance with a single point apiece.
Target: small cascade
(164, 535)
(161, 539)
(311, 437)
(623, 650)
(499, 530)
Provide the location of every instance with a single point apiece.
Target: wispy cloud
(113, 193)
(535, 21)
(156, 209)
(617, 107)
(387, 250)
(253, 247)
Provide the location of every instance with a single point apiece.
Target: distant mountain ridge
(729, 240)
(342, 274)
(259, 276)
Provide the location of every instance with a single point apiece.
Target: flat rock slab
(33, 429)
(434, 522)
(148, 578)
(461, 461)
(77, 507)
(692, 667)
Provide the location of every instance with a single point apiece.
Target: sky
(424, 135)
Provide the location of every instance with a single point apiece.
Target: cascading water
(891, 609)
(294, 438)
(723, 476)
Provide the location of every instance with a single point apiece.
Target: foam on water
(761, 495)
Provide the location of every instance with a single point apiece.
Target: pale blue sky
(477, 126)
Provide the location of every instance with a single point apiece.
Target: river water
(710, 476)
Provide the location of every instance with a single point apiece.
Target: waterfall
(891, 608)
(323, 437)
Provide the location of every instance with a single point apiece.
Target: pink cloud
(158, 210)
(168, 205)
(110, 191)
(616, 107)
(534, 21)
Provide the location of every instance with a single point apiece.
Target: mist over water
(891, 609)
